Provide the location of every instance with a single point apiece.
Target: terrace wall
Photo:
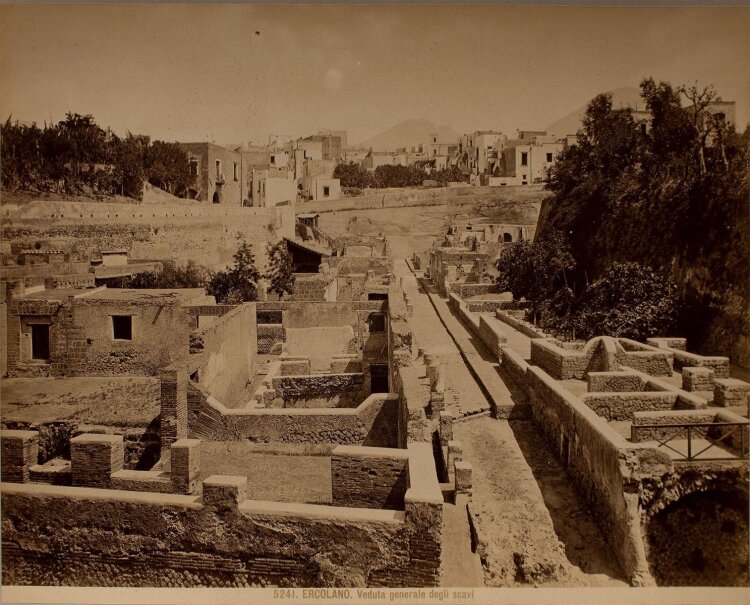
(165, 541)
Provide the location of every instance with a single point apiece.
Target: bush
(631, 301)
(192, 275)
(280, 274)
(238, 284)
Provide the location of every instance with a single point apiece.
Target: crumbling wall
(228, 348)
(161, 335)
(208, 235)
(370, 423)
(369, 477)
(321, 390)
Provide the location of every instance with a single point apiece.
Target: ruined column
(445, 428)
(437, 388)
(94, 458)
(186, 465)
(20, 450)
(174, 405)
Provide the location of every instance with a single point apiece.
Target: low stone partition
(523, 326)
(682, 358)
(731, 392)
(319, 390)
(97, 461)
(293, 366)
(344, 363)
(369, 477)
(487, 329)
(599, 354)
(515, 367)
(491, 334)
(667, 419)
(608, 382)
(672, 424)
(224, 539)
(372, 423)
(490, 306)
(622, 406)
(466, 290)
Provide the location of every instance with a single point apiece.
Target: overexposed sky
(234, 73)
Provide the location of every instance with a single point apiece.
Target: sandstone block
(186, 465)
(224, 491)
(462, 471)
(93, 459)
(730, 392)
(20, 450)
(697, 379)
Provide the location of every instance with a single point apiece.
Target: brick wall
(369, 477)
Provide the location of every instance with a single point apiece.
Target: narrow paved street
(531, 525)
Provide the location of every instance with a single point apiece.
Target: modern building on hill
(523, 162)
(219, 174)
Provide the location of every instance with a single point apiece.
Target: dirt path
(531, 525)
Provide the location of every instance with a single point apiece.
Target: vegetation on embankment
(674, 197)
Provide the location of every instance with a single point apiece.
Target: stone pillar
(731, 392)
(446, 428)
(93, 459)
(697, 379)
(437, 387)
(186, 465)
(174, 406)
(20, 450)
(224, 491)
(462, 472)
(455, 453)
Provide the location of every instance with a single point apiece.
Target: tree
(630, 300)
(238, 284)
(535, 270)
(166, 166)
(192, 275)
(280, 272)
(352, 174)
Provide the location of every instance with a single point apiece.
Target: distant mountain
(621, 97)
(409, 133)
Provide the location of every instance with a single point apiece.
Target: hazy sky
(233, 73)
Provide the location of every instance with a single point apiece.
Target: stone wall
(372, 423)
(491, 334)
(369, 477)
(228, 351)
(621, 406)
(682, 358)
(251, 543)
(205, 234)
(467, 290)
(524, 327)
(321, 390)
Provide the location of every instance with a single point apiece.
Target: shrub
(630, 300)
(238, 284)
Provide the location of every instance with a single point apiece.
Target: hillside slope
(409, 133)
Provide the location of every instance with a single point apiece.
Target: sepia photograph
(382, 304)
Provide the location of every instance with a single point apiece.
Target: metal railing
(689, 431)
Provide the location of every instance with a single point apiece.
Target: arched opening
(700, 540)
(217, 198)
(507, 237)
